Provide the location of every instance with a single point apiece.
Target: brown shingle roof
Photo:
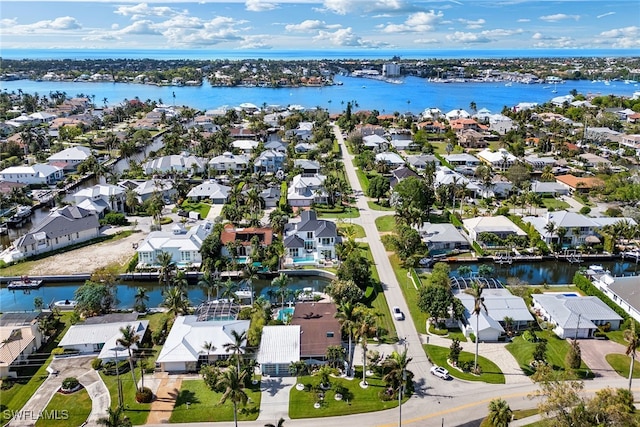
(319, 328)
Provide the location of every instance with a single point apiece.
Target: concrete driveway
(594, 352)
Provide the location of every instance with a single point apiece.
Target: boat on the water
(66, 304)
(24, 283)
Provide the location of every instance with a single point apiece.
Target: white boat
(597, 269)
(65, 304)
(308, 294)
(244, 293)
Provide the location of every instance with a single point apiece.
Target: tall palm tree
(209, 347)
(165, 261)
(129, 339)
(115, 418)
(281, 282)
(209, 281)
(632, 340)
(233, 382)
(140, 299)
(250, 273)
(237, 346)
(365, 326)
(181, 281)
(397, 374)
(478, 304)
(175, 301)
(346, 316)
(500, 413)
(550, 228)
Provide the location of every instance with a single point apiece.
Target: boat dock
(24, 283)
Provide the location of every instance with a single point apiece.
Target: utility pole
(120, 400)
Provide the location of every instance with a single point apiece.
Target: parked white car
(397, 313)
(440, 372)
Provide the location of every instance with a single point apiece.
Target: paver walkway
(79, 367)
(166, 396)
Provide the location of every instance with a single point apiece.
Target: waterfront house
(239, 243)
(445, 176)
(145, 189)
(20, 336)
(457, 114)
(62, 227)
(304, 147)
(100, 335)
(574, 316)
(500, 159)
(70, 157)
(392, 159)
(375, 142)
(462, 159)
(539, 163)
(310, 240)
(39, 173)
(183, 245)
(501, 124)
(500, 303)
(279, 348)
(101, 197)
(245, 146)
(307, 167)
(419, 162)
(499, 225)
(269, 161)
(306, 190)
(581, 184)
(319, 329)
(442, 238)
(182, 163)
(228, 162)
(623, 291)
(553, 189)
(210, 190)
(184, 351)
(632, 141)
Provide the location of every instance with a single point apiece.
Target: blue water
(19, 300)
(414, 95)
(162, 54)
(283, 313)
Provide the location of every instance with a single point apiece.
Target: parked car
(440, 372)
(397, 313)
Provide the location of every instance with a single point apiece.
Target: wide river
(413, 95)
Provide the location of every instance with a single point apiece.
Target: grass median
(491, 373)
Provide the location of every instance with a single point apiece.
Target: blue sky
(321, 24)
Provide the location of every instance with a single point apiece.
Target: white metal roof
(279, 344)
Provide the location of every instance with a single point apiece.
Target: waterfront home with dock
(20, 336)
(183, 245)
(310, 240)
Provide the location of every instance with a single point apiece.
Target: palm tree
(175, 301)
(181, 281)
(140, 299)
(208, 281)
(281, 282)
(631, 338)
(397, 374)
(129, 339)
(280, 422)
(164, 259)
(250, 273)
(237, 346)
(346, 316)
(550, 228)
(365, 327)
(478, 304)
(115, 418)
(233, 382)
(209, 347)
(500, 413)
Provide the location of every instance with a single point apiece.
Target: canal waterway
(125, 292)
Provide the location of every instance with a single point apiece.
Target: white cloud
(144, 27)
(605, 14)
(556, 43)
(101, 37)
(310, 25)
(621, 32)
(559, 17)
(8, 22)
(220, 29)
(623, 38)
(259, 5)
(62, 23)
(426, 41)
(473, 25)
(416, 22)
(142, 10)
(462, 37)
(524, 20)
(342, 7)
(345, 37)
(255, 42)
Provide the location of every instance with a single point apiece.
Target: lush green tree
(335, 355)
(396, 372)
(233, 382)
(408, 245)
(440, 275)
(611, 407)
(281, 283)
(500, 414)
(94, 298)
(357, 268)
(115, 418)
(378, 187)
(632, 339)
(478, 305)
(237, 346)
(435, 301)
(212, 377)
(344, 291)
(365, 327)
(167, 266)
(175, 301)
(347, 315)
(413, 198)
(454, 351)
(128, 339)
(573, 357)
(140, 300)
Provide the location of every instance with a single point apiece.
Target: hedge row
(589, 288)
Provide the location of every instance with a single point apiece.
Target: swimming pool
(285, 313)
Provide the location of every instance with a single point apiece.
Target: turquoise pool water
(283, 313)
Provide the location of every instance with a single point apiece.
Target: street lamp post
(401, 387)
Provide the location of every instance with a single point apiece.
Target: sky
(321, 24)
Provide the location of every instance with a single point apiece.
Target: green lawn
(137, 412)
(556, 350)
(386, 223)
(617, 336)
(410, 295)
(348, 212)
(31, 377)
(203, 404)
(556, 204)
(200, 207)
(74, 408)
(374, 206)
(621, 364)
(358, 229)
(375, 295)
(364, 180)
(356, 400)
(491, 373)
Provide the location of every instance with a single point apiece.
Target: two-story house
(183, 245)
(228, 162)
(311, 240)
(238, 243)
(269, 161)
(306, 190)
(38, 173)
